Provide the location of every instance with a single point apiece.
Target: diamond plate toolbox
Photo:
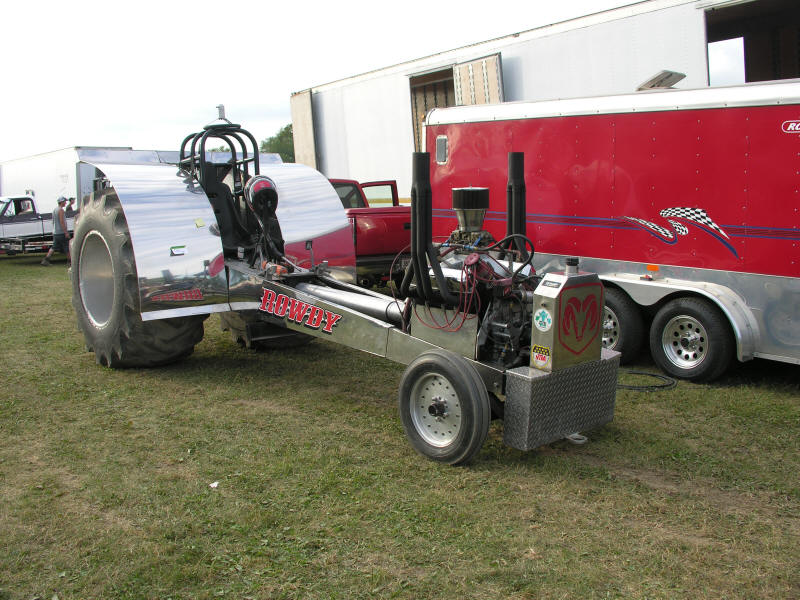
(542, 407)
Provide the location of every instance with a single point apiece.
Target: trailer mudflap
(542, 408)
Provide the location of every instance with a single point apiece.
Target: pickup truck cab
(23, 228)
(381, 228)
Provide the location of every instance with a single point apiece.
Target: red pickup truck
(381, 228)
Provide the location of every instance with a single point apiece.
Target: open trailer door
(479, 81)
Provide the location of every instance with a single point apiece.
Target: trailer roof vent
(662, 79)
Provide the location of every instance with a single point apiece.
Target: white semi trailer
(29, 192)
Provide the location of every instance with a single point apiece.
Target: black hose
(669, 382)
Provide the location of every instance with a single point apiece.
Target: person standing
(60, 233)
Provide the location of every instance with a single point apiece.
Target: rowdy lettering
(302, 313)
(193, 294)
(298, 310)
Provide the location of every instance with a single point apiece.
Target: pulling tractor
(171, 238)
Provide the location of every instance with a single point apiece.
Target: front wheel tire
(691, 339)
(444, 407)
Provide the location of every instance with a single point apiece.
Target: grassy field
(105, 480)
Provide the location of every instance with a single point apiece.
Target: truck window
(350, 195)
(379, 195)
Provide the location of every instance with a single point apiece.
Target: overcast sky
(145, 74)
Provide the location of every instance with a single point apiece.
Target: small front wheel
(444, 407)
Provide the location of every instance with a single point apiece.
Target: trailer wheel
(623, 326)
(690, 339)
(105, 294)
(254, 334)
(444, 407)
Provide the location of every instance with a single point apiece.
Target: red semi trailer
(685, 202)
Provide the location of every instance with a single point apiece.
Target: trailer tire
(444, 407)
(691, 339)
(267, 335)
(105, 294)
(623, 326)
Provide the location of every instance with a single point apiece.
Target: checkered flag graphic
(662, 231)
(679, 228)
(697, 215)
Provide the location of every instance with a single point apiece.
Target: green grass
(104, 480)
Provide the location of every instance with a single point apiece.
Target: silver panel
(383, 308)
(764, 310)
(542, 408)
(353, 329)
(460, 335)
(403, 348)
(308, 206)
(178, 257)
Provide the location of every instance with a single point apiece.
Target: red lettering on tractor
(315, 317)
(281, 305)
(302, 313)
(267, 302)
(298, 310)
(193, 294)
(330, 320)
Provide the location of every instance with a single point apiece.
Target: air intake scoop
(470, 205)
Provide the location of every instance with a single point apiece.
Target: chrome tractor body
(167, 239)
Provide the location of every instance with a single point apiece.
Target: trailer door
(479, 81)
(305, 149)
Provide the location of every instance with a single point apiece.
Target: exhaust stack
(516, 217)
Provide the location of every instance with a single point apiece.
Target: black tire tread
(126, 341)
(632, 329)
(460, 372)
(721, 342)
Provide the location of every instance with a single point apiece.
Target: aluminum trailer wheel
(444, 407)
(691, 339)
(105, 294)
(623, 327)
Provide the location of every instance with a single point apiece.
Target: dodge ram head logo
(303, 313)
(580, 317)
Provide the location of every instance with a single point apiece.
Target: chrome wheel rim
(685, 342)
(96, 279)
(610, 329)
(435, 410)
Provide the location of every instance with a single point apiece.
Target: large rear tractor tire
(691, 339)
(444, 407)
(105, 294)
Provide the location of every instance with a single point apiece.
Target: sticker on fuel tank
(543, 319)
(540, 356)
